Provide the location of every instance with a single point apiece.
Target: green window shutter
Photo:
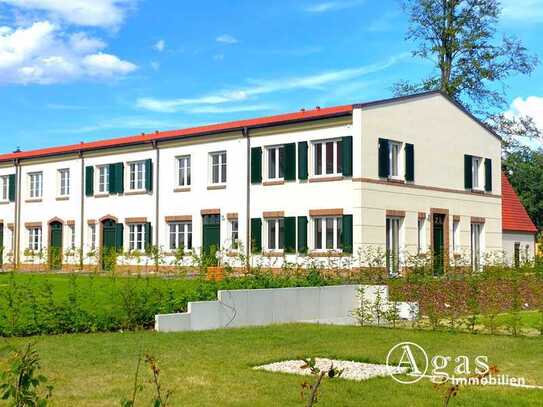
(12, 180)
(148, 175)
(488, 175)
(347, 234)
(119, 237)
(89, 181)
(468, 172)
(256, 165)
(290, 234)
(347, 155)
(302, 234)
(256, 235)
(148, 236)
(119, 178)
(384, 165)
(112, 178)
(409, 162)
(290, 161)
(302, 160)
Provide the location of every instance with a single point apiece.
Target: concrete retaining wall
(239, 308)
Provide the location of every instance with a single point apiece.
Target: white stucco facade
(440, 133)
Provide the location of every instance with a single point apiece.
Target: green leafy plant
(319, 374)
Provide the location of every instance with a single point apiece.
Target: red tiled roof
(194, 131)
(514, 215)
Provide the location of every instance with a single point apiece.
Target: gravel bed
(352, 370)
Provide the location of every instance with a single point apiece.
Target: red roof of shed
(514, 215)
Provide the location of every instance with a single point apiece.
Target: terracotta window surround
(91, 221)
(273, 214)
(29, 225)
(70, 222)
(327, 179)
(179, 218)
(232, 216)
(395, 213)
(456, 218)
(422, 215)
(135, 220)
(326, 212)
(214, 211)
(477, 219)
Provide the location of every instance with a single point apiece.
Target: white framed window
(395, 158)
(393, 242)
(35, 184)
(136, 175)
(477, 176)
(92, 236)
(276, 234)
(327, 233)
(4, 188)
(275, 162)
(180, 235)
(456, 236)
(421, 235)
(183, 171)
(71, 243)
(35, 238)
(476, 250)
(234, 233)
(327, 158)
(64, 182)
(218, 167)
(103, 179)
(136, 236)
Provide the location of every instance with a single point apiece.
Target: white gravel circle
(352, 370)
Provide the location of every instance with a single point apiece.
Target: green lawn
(214, 368)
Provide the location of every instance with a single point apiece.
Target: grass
(215, 367)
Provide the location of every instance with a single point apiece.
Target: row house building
(402, 176)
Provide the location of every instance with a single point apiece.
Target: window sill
(31, 200)
(4, 202)
(232, 253)
(62, 198)
(136, 192)
(478, 191)
(216, 186)
(181, 189)
(396, 180)
(273, 182)
(101, 195)
(326, 178)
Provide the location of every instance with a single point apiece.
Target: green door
(439, 244)
(211, 235)
(109, 244)
(55, 246)
(1, 244)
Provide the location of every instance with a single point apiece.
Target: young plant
(21, 385)
(319, 374)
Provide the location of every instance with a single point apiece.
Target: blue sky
(73, 70)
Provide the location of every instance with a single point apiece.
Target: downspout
(17, 248)
(157, 194)
(245, 133)
(82, 209)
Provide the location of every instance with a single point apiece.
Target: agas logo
(405, 352)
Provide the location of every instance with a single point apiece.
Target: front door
(439, 243)
(109, 244)
(211, 235)
(55, 246)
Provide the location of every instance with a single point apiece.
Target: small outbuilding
(519, 232)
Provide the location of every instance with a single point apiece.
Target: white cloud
(43, 54)
(155, 65)
(323, 7)
(227, 39)
(532, 107)
(92, 13)
(160, 45)
(522, 10)
(263, 87)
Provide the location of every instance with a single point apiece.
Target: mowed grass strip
(215, 367)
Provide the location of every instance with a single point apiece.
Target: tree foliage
(459, 37)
